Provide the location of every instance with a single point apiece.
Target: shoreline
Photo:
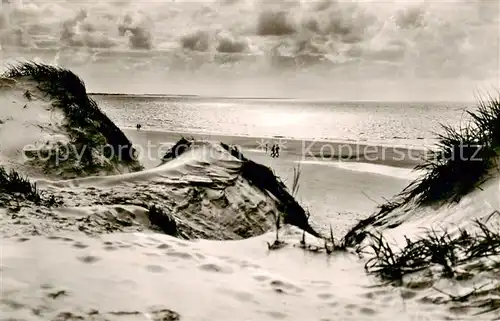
(275, 137)
(304, 149)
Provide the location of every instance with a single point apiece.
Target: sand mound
(443, 230)
(205, 190)
(411, 221)
(50, 127)
(448, 251)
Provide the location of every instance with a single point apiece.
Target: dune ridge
(205, 191)
(65, 134)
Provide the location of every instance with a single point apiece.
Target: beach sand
(336, 191)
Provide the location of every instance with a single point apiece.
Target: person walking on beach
(138, 126)
(273, 151)
(27, 94)
(277, 151)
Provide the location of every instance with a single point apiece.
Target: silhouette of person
(27, 94)
(277, 151)
(138, 126)
(273, 151)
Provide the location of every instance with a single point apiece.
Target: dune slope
(50, 127)
(203, 191)
(442, 232)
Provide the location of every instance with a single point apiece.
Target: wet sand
(305, 150)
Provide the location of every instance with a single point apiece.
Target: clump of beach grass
(463, 160)
(16, 184)
(459, 256)
(20, 188)
(434, 248)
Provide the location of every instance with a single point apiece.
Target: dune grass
(441, 249)
(20, 188)
(459, 257)
(14, 183)
(463, 160)
(87, 124)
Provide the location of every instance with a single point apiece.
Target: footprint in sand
(282, 286)
(181, 255)
(88, 259)
(212, 267)
(325, 296)
(163, 246)
(350, 306)
(80, 245)
(155, 268)
(150, 254)
(261, 278)
(276, 315)
(367, 311)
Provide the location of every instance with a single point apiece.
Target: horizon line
(158, 95)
